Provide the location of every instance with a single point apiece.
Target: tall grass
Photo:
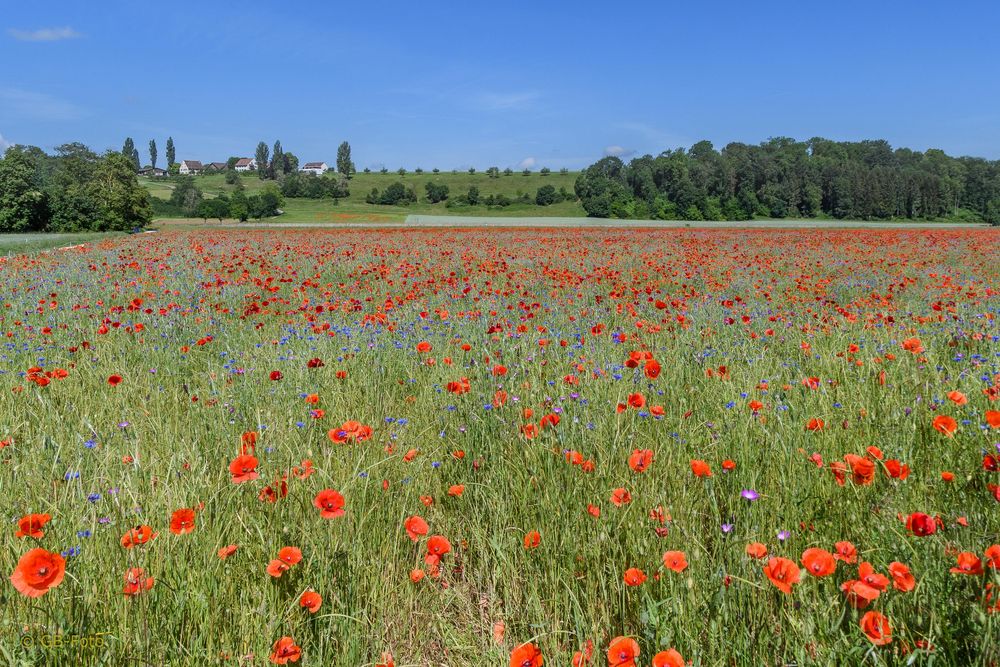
(101, 459)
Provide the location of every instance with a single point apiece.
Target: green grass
(102, 459)
(34, 242)
(354, 206)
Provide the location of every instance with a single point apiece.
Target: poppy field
(505, 447)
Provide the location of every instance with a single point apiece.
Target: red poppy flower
(846, 552)
(620, 497)
(532, 539)
(311, 601)
(945, 424)
(136, 582)
(182, 521)
(756, 550)
(243, 469)
(634, 577)
(968, 563)
(330, 504)
(285, 651)
(276, 375)
(227, 551)
(819, 562)
(920, 524)
(31, 526)
(675, 560)
(782, 572)
(700, 468)
(114, 380)
(876, 628)
(622, 652)
(640, 459)
(137, 535)
(668, 658)
(526, 655)
(38, 571)
(415, 527)
(902, 579)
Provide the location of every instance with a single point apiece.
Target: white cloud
(37, 105)
(527, 163)
(44, 34)
(504, 101)
(4, 144)
(618, 151)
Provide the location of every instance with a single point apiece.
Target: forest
(784, 178)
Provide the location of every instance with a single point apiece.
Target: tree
(545, 171)
(239, 207)
(122, 203)
(277, 166)
(152, 153)
(262, 163)
(186, 197)
(436, 192)
(546, 195)
(345, 166)
(473, 196)
(22, 201)
(171, 153)
(131, 152)
(291, 163)
(493, 172)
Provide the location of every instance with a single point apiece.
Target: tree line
(782, 178)
(74, 190)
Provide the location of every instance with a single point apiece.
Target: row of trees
(786, 178)
(132, 154)
(188, 200)
(492, 172)
(398, 194)
(275, 163)
(73, 190)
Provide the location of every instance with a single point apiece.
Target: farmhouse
(153, 172)
(215, 166)
(191, 167)
(246, 164)
(318, 168)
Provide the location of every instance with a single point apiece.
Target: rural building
(191, 167)
(215, 166)
(318, 168)
(246, 164)
(153, 172)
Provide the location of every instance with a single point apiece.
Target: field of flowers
(523, 447)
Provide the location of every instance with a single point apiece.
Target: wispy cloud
(618, 151)
(4, 144)
(527, 163)
(44, 34)
(489, 101)
(38, 105)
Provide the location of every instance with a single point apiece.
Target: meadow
(354, 207)
(505, 447)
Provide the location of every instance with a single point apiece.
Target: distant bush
(396, 194)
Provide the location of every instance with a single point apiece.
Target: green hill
(301, 209)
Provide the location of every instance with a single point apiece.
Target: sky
(512, 84)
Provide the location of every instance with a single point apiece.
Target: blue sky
(453, 85)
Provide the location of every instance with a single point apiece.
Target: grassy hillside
(355, 207)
